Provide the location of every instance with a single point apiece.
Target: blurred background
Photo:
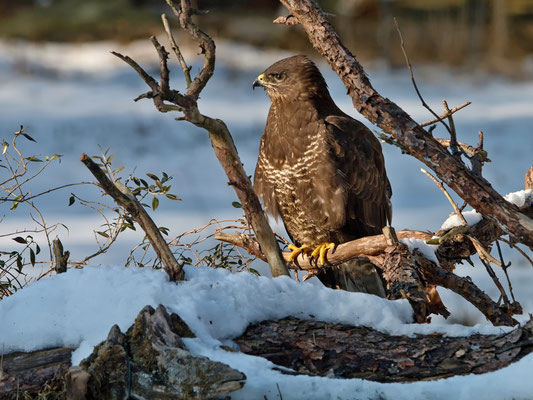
(59, 80)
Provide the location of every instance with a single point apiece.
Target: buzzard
(321, 171)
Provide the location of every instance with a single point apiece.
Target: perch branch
(124, 198)
(403, 130)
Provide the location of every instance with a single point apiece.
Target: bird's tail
(357, 275)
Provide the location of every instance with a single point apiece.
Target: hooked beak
(258, 82)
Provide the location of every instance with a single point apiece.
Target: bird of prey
(321, 171)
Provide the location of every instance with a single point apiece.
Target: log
(28, 372)
(344, 351)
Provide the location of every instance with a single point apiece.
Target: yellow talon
(320, 251)
(296, 251)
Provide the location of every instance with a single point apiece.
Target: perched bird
(321, 171)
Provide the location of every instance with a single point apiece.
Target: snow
(520, 198)
(81, 97)
(428, 250)
(79, 307)
(472, 217)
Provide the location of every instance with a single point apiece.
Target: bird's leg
(321, 251)
(296, 251)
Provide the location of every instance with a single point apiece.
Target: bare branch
(125, 199)
(403, 130)
(443, 189)
(402, 45)
(446, 114)
(186, 69)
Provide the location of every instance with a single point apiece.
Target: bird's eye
(279, 76)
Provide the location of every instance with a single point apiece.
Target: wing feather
(358, 158)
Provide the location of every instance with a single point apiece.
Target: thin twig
(495, 280)
(505, 267)
(446, 114)
(441, 187)
(439, 119)
(514, 246)
(453, 134)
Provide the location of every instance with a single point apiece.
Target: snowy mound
(78, 308)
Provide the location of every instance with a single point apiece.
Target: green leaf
(19, 263)
(20, 240)
(28, 137)
(51, 158)
(14, 205)
(71, 200)
(34, 159)
(155, 203)
(236, 204)
(172, 196)
(103, 234)
(164, 230)
(5, 145)
(154, 177)
(37, 249)
(32, 257)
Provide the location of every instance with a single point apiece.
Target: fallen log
(344, 351)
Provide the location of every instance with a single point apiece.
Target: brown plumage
(320, 170)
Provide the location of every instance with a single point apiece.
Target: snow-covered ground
(74, 98)
(78, 308)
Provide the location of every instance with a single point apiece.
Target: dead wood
(403, 130)
(124, 198)
(23, 372)
(60, 256)
(166, 99)
(343, 351)
(528, 180)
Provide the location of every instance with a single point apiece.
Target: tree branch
(403, 130)
(127, 200)
(221, 139)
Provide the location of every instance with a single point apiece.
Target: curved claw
(296, 251)
(321, 251)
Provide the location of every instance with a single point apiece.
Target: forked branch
(166, 99)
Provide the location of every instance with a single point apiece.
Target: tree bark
(404, 131)
(325, 349)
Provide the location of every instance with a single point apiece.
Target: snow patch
(522, 198)
(428, 250)
(472, 217)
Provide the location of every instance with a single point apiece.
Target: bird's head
(293, 78)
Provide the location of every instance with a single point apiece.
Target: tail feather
(357, 275)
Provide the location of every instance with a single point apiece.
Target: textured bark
(124, 198)
(28, 372)
(403, 130)
(343, 351)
